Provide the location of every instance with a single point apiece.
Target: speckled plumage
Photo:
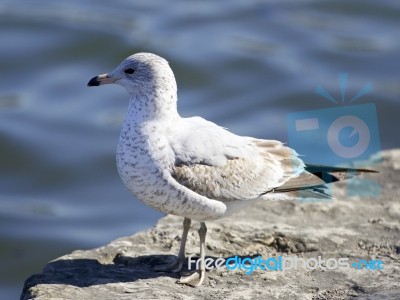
(189, 166)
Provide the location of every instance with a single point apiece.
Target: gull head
(141, 74)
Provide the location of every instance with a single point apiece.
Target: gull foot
(174, 267)
(195, 279)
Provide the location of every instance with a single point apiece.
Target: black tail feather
(333, 174)
(316, 177)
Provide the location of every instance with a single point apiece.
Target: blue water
(242, 64)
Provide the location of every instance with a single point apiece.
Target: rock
(355, 228)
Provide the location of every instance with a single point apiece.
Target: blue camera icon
(338, 136)
(335, 136)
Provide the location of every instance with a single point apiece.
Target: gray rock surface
(356, 227)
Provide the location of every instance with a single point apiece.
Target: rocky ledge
(358, 226)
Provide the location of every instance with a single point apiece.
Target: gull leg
(197, 278)
(176, 266)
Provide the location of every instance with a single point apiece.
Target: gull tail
(334, 174)
(312, 182)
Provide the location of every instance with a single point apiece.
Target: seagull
(193, 168)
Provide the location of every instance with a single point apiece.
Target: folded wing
(220, 165)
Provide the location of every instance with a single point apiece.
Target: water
(242, 64)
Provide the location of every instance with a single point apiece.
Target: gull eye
(129, 71)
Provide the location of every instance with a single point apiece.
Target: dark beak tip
(94, 82)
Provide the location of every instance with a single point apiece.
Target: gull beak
(102, 79)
